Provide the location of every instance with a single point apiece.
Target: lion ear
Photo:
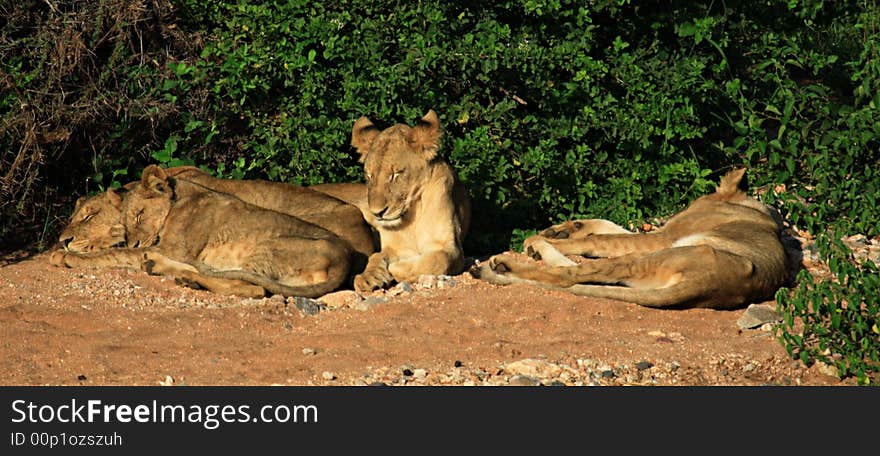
(362, 135)
(425, 136)
(115, 198)
(154, 181)
(733, 181)
(79, 202)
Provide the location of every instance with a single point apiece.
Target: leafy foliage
(839, 317)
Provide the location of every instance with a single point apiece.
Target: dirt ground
(116, 327)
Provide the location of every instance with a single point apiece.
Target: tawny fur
(96, 222)
(413, 199)
(722, 252)
(219, 242)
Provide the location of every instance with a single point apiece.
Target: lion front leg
(111, 258)
(433, 263)
(578, 237)
(509, 265)
(375, 276)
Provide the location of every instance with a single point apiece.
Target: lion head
(145, 208)
(96, 223)
(397, 161)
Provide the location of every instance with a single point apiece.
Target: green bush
(835, 321)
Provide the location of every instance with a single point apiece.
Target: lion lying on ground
(413, 199)
(721, 252)
(219, 242)
(96, 222)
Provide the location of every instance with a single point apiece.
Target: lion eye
(88, 217)
(394, 176)
(369, 176)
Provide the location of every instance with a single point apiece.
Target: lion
(96, 221)
(722, 252)
(219, 242)
(413, 199)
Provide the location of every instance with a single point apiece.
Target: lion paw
(184, 282)
(563, 230)
(372, 279)
(149, 266)
(57, 258)
(529, 245)
(504, 263)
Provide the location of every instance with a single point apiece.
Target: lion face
(146, 207)
(396, 163)
(95, 223)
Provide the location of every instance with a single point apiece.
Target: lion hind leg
(577, 229)
(192, 276)
(288, 266)
(610, 245)
(224, 286)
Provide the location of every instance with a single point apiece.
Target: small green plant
(836, 321)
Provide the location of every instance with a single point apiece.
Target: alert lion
(219, 242)
(413, 199)
(96, 221)
(722, 252)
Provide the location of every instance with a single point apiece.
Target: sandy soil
(115, 327)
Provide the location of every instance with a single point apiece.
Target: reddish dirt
(116, 327)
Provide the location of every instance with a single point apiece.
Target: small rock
(400, 288)
(420, 374)
(407, 372)
(309, 351)
(340, 299)
(457, 363)
(827, 369)
(427, 281)
(307, 306)
(642, 365)
(378, 384)
(445, 281)
(277, 298)
(533, 368)
(856, 240)
(555, 383)
(608, 374)
(758, 314)
(523, 380)
(169, 381)
(81, 378)
(327, 375)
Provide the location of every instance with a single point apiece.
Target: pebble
(758, 314)
(420, 374)
(400, 289)
(533, 368)
(523, 380)
(608, 374)
(427, 281)
(642, 365)
(327, 375)
(309, 351)
(307, 306)
(341, 299)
